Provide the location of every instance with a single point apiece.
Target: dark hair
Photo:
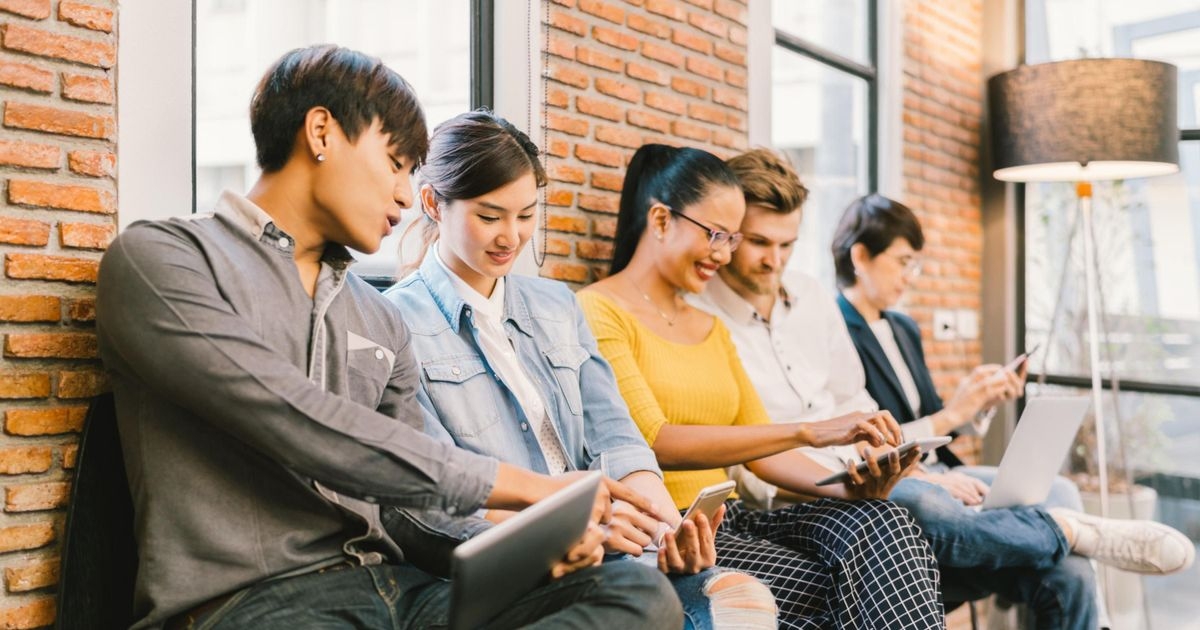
(356, 88)
(674, 176)
(768, 180)
(876, 222)
(470, 155)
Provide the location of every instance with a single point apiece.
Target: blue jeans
(1018, 553)
(615, 595)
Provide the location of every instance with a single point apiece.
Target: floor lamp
(1083, 121)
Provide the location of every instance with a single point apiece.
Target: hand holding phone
(925, 444)
(707, 502)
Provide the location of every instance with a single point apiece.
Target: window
(1148, 243)
(824, 94)
(428, 41)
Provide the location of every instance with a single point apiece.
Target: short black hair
(876, 222)
(356, 88)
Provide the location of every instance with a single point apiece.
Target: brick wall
(57, 204)
(943, 90)
(622, 74)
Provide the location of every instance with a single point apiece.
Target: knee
(739, 601)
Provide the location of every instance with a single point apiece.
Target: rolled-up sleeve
(162, 319)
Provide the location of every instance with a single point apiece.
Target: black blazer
(882, 382)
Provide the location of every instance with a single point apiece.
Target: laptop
(1036, 451)
(496, 568)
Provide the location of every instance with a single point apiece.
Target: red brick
(557, 98)
(29, 154)
(568, 23)
(566, 272)
(36, 41)
(598, 108)
(564, 223)
(648, 26)
(690, 131)
(568, 75)
(594, 250)
(603, 10)
(44, 420)
(70, 453)
(606, 228)
(614, 38)
(666, 8)
(33, 614)
(24, 385)
(691, 88)
(601, 202)
(559, 148)
(34, 497)
(560, 198)
(698, 43)
(645, 73)
(729, 140)
(60, 121)
(81, 383)
(566, 124)
(61, 196)
(648, 121)
(598, 155)
(665, 54)
(737, 35)
(30, 308)
(26, 77)
(86, 235)
(83, 310)
(735, 11)
(32, 576)
(666, 103)
(705, 68)
(607, 180)
(561, 47)
(736, 123)
(709, 24)
(617, 88)
(597, 59)
(23, 460)
(627, 138)
(570, 4)
(735, 78)
(732, 55)
(43, 267)
(93, 163)
(736, 100)
(706, 113)
(565, 173)
(707, 5)
(24, 232)
(86, 15)
(36, 9)
(558, 247)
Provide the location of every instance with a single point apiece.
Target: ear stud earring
(320, 157)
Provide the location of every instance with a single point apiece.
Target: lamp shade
(1085, 120)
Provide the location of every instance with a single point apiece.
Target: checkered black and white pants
(836, 564)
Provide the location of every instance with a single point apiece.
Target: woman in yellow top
(832, 562)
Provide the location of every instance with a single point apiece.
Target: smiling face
(883, 279)
(683, 257)
(480, 238)
(770, 239)
(361, 187)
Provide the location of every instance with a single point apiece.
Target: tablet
(499, 566)
(925, 444)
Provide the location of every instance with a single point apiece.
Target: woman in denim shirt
(510, 369)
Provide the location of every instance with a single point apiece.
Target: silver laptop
(1036, 451)
(499, 566)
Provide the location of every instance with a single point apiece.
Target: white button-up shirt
(802, 361)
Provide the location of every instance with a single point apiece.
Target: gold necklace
(670, 320)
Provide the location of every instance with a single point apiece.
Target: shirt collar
(440, 282)
(740, 311)
(248, 216)
(491, 307)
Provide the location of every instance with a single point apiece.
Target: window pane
(426, 41)
(837, 25)
(1148, 240)
(818, 117)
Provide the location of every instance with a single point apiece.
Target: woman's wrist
(802, 436)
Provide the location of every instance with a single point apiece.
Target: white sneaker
(1129, 545)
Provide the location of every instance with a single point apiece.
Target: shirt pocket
(368, 370)
(565, 362)
(463, 395)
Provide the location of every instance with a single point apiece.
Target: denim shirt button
(524, 426)
(455, 371)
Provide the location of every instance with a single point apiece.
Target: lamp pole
(1083, 192)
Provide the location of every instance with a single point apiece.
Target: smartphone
(925, 444)
(707, 502)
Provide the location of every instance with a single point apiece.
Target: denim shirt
(467, 402)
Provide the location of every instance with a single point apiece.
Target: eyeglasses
(716, 238)
(912, 264)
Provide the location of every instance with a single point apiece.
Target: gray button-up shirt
(250, 413)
